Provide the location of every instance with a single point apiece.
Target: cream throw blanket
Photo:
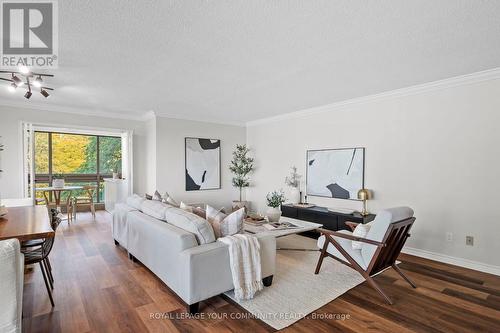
(244, 257)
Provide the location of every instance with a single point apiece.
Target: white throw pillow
(361, 231)
(157, 196)
(168, 199)
(226, 225)
(185, 207)
(190, 222)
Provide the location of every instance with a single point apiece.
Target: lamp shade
(364, 194)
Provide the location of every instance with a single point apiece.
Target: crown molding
(201, 120)
(72, 110)
(491, 74)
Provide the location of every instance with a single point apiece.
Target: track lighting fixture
(27, 79)
(17, 81)
(44, 93)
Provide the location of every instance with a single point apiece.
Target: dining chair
(86, 200)
(40, 255)
(379, 250)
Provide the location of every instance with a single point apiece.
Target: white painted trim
(139, 116)
(491, 74)
(475, 265)
(201, 120)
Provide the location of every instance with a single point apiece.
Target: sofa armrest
(206, 269)
(11, 293)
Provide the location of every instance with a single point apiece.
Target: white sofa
(195, 268)
(11, 291)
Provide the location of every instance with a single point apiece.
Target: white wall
(10, 130)
(170, 172)
(435, 151)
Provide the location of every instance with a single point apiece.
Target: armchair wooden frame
(384, 257)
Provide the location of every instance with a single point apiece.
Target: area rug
(296, 291)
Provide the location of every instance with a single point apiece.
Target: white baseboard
(475, 265)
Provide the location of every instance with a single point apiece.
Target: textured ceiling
(242, 60)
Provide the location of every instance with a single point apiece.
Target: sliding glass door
(78, 158)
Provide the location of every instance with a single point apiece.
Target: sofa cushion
(190, 222)
(154, 209)
(225, 225)
(135, 201)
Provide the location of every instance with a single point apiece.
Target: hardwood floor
(97, 289)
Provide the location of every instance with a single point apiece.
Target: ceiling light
(24, 69)
(28, 82)
(17, 81)
(44, 93)
(38, 82)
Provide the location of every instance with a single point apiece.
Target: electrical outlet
(469, 240)
(449, 236)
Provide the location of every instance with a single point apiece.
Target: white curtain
(28, 182)
(127, 160)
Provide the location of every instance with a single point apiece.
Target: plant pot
(294, 195)
(58, 183)
(241, 204)
(273, 214)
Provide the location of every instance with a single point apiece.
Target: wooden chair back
(394, 240)
(90, 190)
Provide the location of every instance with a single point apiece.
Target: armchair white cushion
(377, 231)
(379, 227)
(11, 292)
(346, 245)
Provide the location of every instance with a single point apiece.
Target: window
(81, 159)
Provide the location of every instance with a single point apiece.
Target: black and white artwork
(335, 173)
(202, 164)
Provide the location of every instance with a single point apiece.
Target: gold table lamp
(364, 195)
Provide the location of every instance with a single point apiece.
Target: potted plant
(241, 166)
(293, 181)
(58, 180)
(274, 201)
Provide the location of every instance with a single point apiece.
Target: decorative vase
(294, 195)
(241, 204)
(273, 214)
(58, 183)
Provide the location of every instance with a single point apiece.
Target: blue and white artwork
(335, 173)
(202, 164)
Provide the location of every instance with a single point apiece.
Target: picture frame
(202, 164)
(339, 173)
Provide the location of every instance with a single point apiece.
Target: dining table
(26, 223)
(56, 191)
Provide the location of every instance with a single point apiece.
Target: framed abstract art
(335, 173)
(202, 164)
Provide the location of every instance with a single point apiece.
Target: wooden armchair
(380, 248)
